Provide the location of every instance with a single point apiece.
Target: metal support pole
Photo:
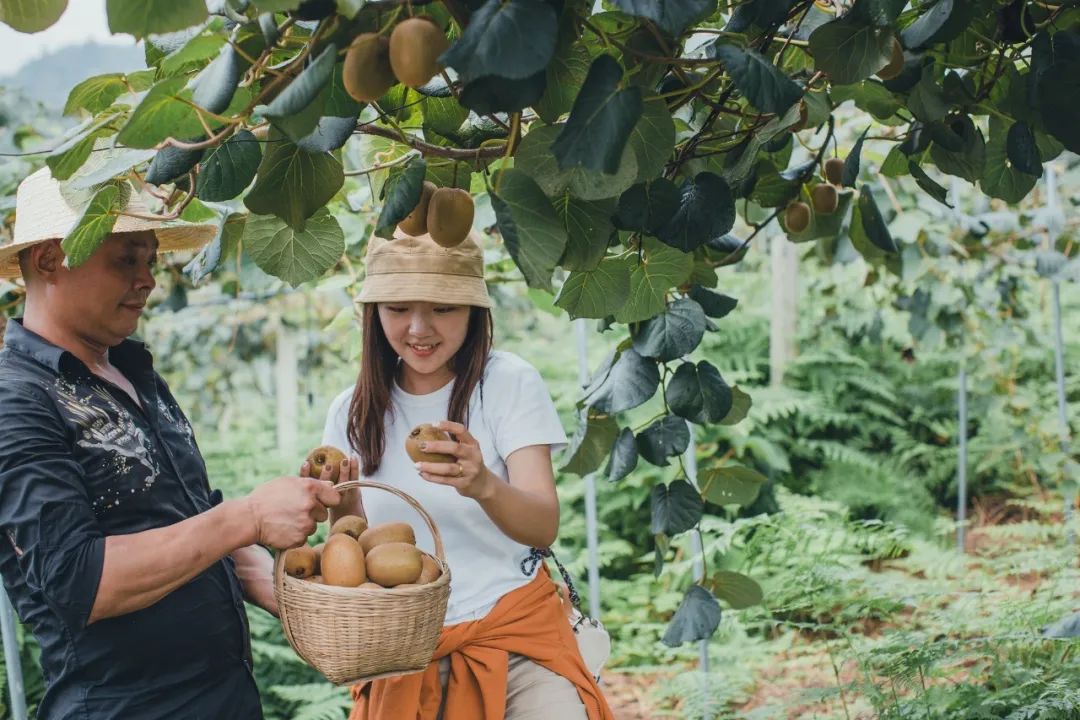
(961, 464)
(690, 463)
(1053, 228)
(591, 533)
(11, 658)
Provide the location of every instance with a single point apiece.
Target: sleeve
(45, 510)
(336, 432)
(527, 414)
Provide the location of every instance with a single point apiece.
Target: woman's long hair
(379, 367)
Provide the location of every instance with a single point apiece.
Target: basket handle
(279, 560)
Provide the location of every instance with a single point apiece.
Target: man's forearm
(142, 568)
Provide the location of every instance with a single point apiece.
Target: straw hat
(42, 213)
(415, 268)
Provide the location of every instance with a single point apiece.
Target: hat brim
(171, 237)
(425, 287)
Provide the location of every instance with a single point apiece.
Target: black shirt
(79, 461)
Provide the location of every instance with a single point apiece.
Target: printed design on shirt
(172, 414)
(111, 430)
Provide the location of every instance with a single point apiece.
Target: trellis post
(591, 534)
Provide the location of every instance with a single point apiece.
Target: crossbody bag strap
(536, 556)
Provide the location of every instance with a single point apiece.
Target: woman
(507, 649)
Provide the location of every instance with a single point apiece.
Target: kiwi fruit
(327, 455)
(300, 562)
(797, 217)
(415, 47)
(427, 433)
(343, 562)
(391, 532)
(450, 216)
(351, 525)
(317, 579)
(825, 198)
(431, 571)
(834, 171)
(366, 73)
(394, 563)
(415, 223)
(896, 62)
(804, 116)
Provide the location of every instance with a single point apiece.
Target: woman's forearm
(255, 570)
(525, 517)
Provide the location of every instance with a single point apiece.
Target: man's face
(103, 298)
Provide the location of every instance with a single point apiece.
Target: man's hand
(286, 510)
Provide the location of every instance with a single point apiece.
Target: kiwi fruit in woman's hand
(427, 433)
(325, 456)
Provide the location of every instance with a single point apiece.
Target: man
(130, 572)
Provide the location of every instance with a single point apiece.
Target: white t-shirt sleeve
(335, 432)
(526, 414)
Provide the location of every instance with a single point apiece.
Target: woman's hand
(469, 476)
(351, 501)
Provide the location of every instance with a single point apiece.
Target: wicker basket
(354, 634)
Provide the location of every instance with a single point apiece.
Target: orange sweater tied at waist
(529, 621)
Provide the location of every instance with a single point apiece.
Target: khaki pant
(532, 692)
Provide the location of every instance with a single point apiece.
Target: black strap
(536, 556)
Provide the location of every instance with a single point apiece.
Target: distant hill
(49, 78)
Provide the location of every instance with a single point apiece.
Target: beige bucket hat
(415, 268)
(42, 213)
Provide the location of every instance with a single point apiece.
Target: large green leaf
(534, 235)
(623, 384)
(673, 333)
(653, 138)
(193, 55)
(850, 50)
(214, 86)
(74, 151)
(850, 175)
(624, 456)
(444, 115)
(731, 485)
(493, 94)
(738, 590)
(94, 225)
(305, 87)
(699, 393)
(588, 230)
(1001, 179)
(591, 443)
(31, 16)
(1058, 88)
(95, 94)
(928, 184)
(943, 21)
(740, 407)
(401, 195)
(673, 16)
(676, 508)
(534, 157)
(696, 619)
(564, 77)
(171, 163)
(165, 111)
(664, 438)
(601, 120)
(706, 210)
(1022, 149)
(766, 87)
(229, 168)
(659, 269)
(959, 149)
(513, 40)
(596, 293)
(224, 245)
(648, 206)
(293, 184)
(144, 17)
(295, 256)
(873, 224)
(716, 305)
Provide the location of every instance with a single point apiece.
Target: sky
(83, 21)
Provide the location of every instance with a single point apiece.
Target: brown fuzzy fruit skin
(395, 563)
(301, 562)
(325, 455)
(896, 62)
(431, 571)
(367, 74)
(343, 562)
(450, 216)
(392, 532)
(797, 217)
(415, 223)
(415, 47)
(834, 171)
(825, 199)
(351, 525)
(427, 433)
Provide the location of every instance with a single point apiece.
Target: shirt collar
(130, 353)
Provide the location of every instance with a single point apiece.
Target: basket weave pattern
(353, 634)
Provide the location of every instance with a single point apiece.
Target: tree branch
(427, 149)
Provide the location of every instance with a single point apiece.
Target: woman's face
(425, 335)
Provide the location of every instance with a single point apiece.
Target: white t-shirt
(510, 409)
